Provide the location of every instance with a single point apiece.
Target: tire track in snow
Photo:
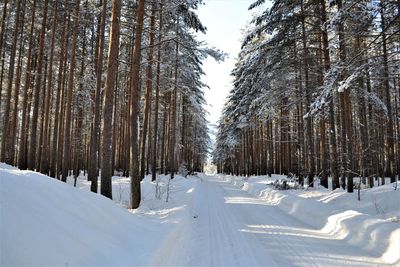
(229, 245)
(290, 241)
(229, 227)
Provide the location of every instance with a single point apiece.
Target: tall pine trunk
(174, 96)
(95, 132)
(135, 102)
(56, 140)
(66, 159)
(149, 89)
(386, 85)
(45, 159)
(32, 159)
(2, 29)
(331, 114)
(112, 68)
(5, 149)
(309, 127)
(23, 146)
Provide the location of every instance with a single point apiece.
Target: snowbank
(372, 224)
(45, 222)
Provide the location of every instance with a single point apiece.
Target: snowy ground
(214, 220)
(45, 222)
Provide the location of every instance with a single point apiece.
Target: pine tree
(135, 92)
(112, 67)
(66, 156)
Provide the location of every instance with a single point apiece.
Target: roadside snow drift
(372, 224)
(45, 222)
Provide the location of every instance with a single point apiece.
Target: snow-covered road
(226, 226)
(216, 220)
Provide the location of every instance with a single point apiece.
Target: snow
(209, 220)
(372, 224)
(45, 222)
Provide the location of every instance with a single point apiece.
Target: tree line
(316, 93)
(101, 86)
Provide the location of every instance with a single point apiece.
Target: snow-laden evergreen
(315, 94)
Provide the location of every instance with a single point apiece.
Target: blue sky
(224, 20)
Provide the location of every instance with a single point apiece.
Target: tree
(5, 149)
(149, 89)
(135, 92)
(55, 102)
(32, 159)
(157, 97)
(45, 158)
(95, 132)
(22, 157)
(307, 70)
(66, 159)
(112, 67)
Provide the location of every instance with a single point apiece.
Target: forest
(112, 154)
(316, 94)
(89, 85)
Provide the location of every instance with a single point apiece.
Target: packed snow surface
(214, 220)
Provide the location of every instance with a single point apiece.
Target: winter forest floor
(209, 220)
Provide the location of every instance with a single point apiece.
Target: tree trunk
(345, 105)
(135, 102)
(32, 162)
(78, 140)
(93, 171)
(164, 133)
(389, 127)
(2, 29)
(5, 149)
(309, 128)
(45, 159)
(149, 89)
(157, 96)
(22, 156)
(66, 161)
(107, 135)
(331, 114)
(14, 117)
(173, 105)
(56, 141)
